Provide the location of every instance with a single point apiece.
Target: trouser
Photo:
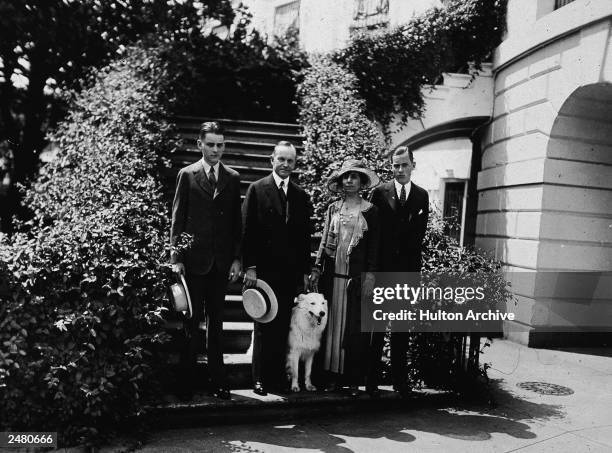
(399, 349)
(207, 294)
(376, 350)
(363, 359)
(399, 368)
(270, 339)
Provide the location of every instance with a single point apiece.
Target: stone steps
(246, 407)
(191, 122)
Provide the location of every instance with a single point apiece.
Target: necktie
(212, 179)
(283, 198)
(403, 196)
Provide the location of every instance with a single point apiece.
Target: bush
(335, 128)
(241, 77)
(445, 360)
(442, 360)
(86, 275)
(392, 67)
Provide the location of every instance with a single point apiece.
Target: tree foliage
(392, 67)
(239, 77)
(49, 46)
(87, 279)
(335, 127)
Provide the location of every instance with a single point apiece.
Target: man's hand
(250, 278)
(234, 271)
(178, 268)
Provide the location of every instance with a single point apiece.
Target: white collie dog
(308, 321)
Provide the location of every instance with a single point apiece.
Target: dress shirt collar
(207, 168)
(398, 188)
(278, 179)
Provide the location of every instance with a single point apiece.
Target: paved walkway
(577, 420)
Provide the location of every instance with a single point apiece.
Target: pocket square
(420, 212)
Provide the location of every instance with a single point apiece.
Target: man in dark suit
(207, 206)
(404, 209)
(276, 249)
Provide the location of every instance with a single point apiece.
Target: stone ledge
(246, 406)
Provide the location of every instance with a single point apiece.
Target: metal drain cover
(545, 388)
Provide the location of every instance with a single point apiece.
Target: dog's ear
(298, 299)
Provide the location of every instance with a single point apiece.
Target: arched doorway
(576, 218)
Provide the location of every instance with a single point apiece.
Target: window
(285, 17)
(453, 207)
(370, 14)
(560, 3)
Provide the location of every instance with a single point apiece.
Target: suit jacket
(401, 241)
(215, 222)
(270, 243)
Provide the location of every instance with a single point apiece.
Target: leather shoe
(405, 392)
(221, 393)
(353, 390)
(331, 387)
(374, 392)
(258, 389)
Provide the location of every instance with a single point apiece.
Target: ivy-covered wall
(393, 67)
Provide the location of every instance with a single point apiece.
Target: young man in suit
(207, 206)
(276, 249)
(404, 209)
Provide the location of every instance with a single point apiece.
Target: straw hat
(260, 302)
(352, 165)
(179, 295)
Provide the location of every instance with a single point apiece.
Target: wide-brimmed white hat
(358, 166)
(179, 294)
(260, 302)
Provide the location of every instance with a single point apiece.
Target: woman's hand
(313, 279)
(368, 284)
(315, 274)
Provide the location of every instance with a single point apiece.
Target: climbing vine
(393, 67)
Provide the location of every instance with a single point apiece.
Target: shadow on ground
(444, 415)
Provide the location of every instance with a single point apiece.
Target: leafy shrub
(392, 67)
(335, 127)
(439, 359)
(86, 274)
(450, 361)
(241, 77)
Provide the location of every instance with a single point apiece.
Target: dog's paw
(311, 388)
(295, 388)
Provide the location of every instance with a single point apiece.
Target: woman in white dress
(349, 247)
